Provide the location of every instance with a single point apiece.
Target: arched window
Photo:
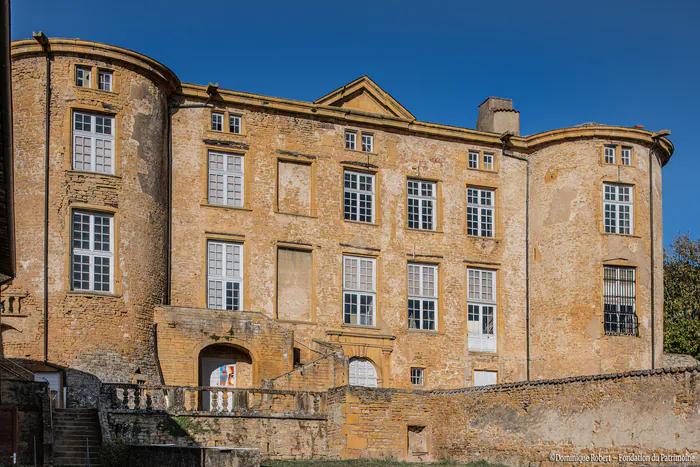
(362, 373)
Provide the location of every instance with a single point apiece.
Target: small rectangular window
(217, 121)
(488, 162)
(358, 195)
(226, 179)
(224, 275)
(234, 124)
(83, 76)
(422, 296)
(473, 160)
(367, 142)
(619, 299)
(481, 310)
(93, 141)
(92, 267)
(417, 376)
(618, 207)
(626, 156)
(609, 154)
(350, 140)
(480, 212)
(359, 290)
(422, 198)
(485, 378)
(104, 80)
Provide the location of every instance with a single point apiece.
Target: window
(234, 124)
(609, 154)
(83, 76)
(488, 162)
(626, 156)
(481, 310)
(93, 140)
(217, 121)
(619, 208)
(359, 290)
(350, 140)
(422, 296)
(367, 142)
(417, 376)
(421, 205)
(473, 160)
(480, 205)
(619, 298)
(224, 275)
(359, 197)
(225, 179)
(104, 80)
(93, 252)
(362, 373)
(485, 378)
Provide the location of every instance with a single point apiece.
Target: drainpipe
(505, 138)
(655, 137)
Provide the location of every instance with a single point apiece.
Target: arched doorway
(362, 373)
(224, 366)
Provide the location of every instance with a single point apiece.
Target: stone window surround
(634, 203)
(498, 294)
(377, 285)
(68, 137)
(247, 173)
(496, 227)
(618, 154)
(481, 153)
(437, 284)
(437, 193)
(475, 369)
(308, 249)
(358, 140)
(225, 124)
(293, 160)
(94, 70)
(375, 194)
(620, 263)
(203, 294)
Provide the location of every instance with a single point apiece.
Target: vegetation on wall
(682, 297)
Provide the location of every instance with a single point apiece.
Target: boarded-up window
(294, 285)
(294, 188)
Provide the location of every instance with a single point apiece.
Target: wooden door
(9, 435)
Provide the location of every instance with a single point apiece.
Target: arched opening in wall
(223, 366)
(362, 373)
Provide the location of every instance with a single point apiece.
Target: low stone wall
(177, 456)
(322, 374)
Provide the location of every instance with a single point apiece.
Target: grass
(371, 463)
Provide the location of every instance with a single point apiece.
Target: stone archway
(226, 365)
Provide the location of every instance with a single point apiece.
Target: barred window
(358, 197)
(350, 140)
(417, 376)
(626, 156)
(618, 205)
(359, 290)
(93, 252)
(609, 154)
(421, 204)
(217, 121)
(619, 298)
(224, 275)
(93, 141)
(422, 296)
(480, 209)
(225, 179)
(234, 124)
(481, 310)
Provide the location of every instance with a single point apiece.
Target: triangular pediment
(363, 94)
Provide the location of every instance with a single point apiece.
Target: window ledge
(483, 353)
(360, 326)
(428, 332)
(409, 229)
(227, 133)
(296, 215)
(478, 237)
(372, 224)
(495, 172)
(114, 93)
(294, 321)
(362, 152)
(93, 294)
(97, 174)
(223, 206)
(622, 235)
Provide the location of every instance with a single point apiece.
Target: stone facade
(548, 248)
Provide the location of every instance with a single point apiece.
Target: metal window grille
(421, 205)
(619, 298)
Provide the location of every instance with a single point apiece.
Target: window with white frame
(626, 156)
(362, 373)
(485, 377)
(488, 162)
(92, 252)
(421, 204)
(609, 154)
(350, 140)
(358, 195)
(225, 179)
(367, 142)
(619, 299)
(224, 275)
(104, 80)
(93, 142)
(618, 205)
(217, 121)
(234, 124)
(359, 290)
(417, 376)
(422, 296)
(83, 76)
(480, 209)
(481, 310)
(474, 159)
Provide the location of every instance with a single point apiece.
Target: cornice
(99, 51)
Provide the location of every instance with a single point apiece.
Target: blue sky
(564, 63)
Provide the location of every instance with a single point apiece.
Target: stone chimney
(496, 115)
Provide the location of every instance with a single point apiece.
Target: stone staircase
(73, 430)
